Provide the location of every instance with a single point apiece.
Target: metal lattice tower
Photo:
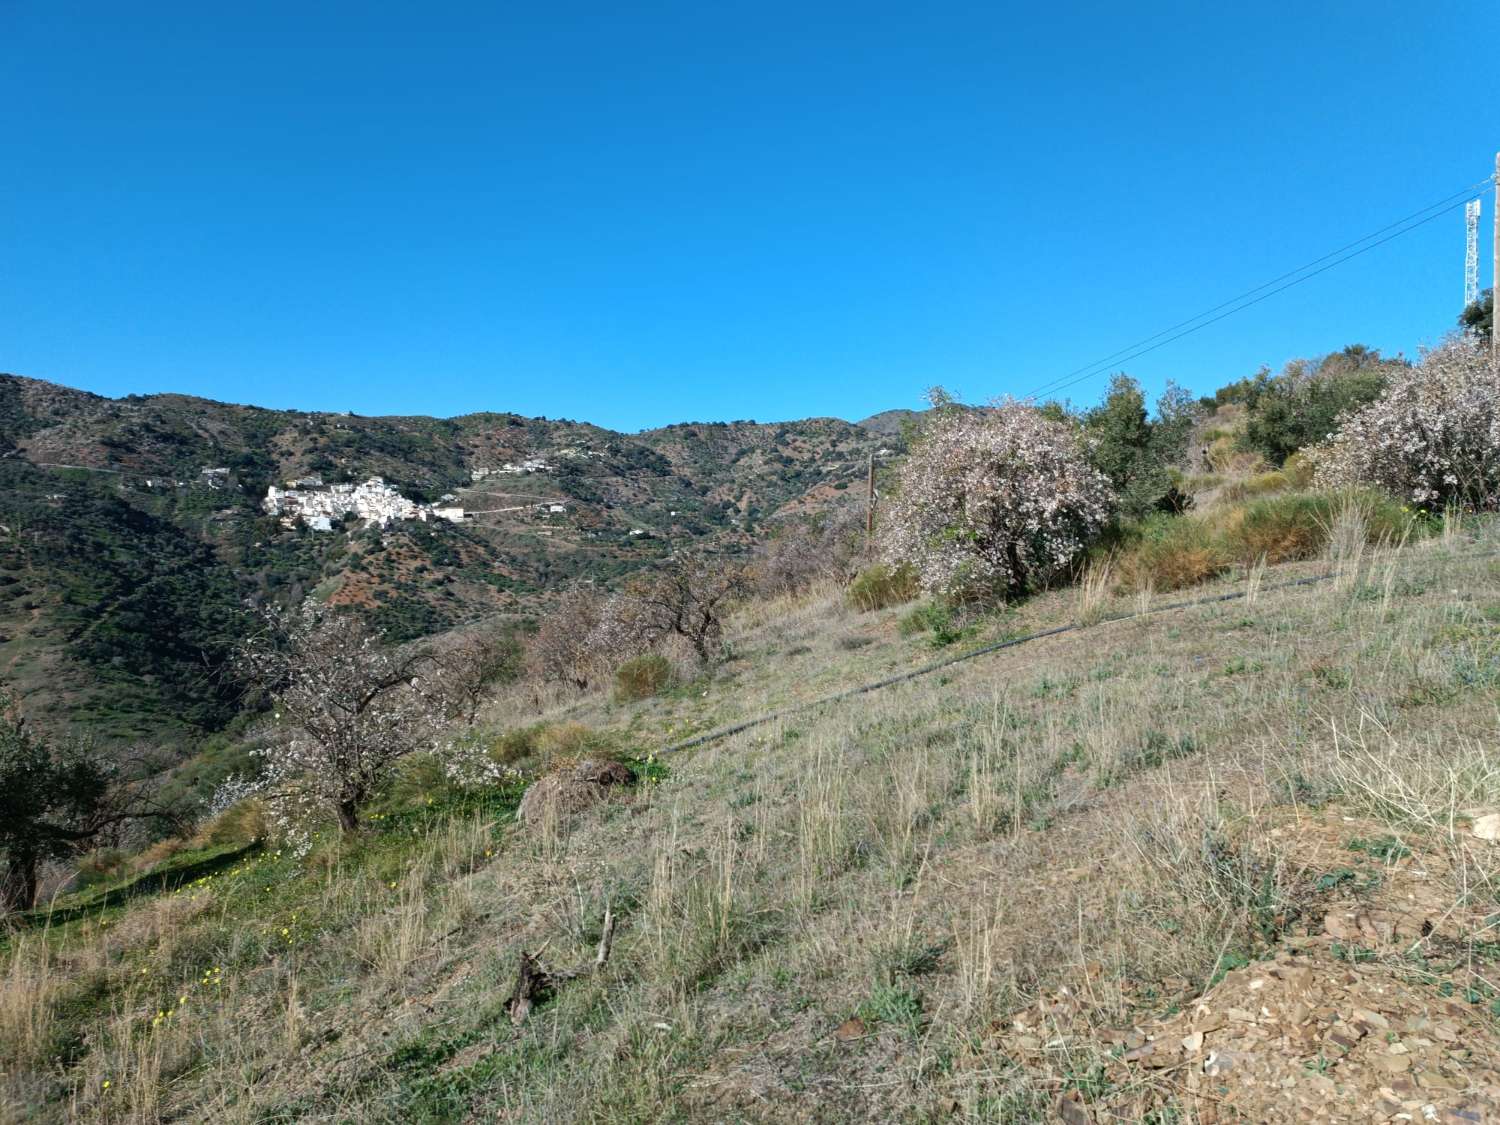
(1471, 253)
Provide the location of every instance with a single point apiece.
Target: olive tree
(59, 798)
(1135, 450)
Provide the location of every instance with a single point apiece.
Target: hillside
(126, 569)
(1223, 861)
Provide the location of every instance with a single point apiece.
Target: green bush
(1296, 525)
(936, 618)
(1167, 553)
(1298, 470)
(642, 677)
(880, 586)
(1300, 407)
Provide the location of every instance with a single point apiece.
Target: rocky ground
(1371, 1009)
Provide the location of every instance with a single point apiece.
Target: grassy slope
(1117, 810)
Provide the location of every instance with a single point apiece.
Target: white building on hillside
(316, 507)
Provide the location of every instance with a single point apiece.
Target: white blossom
(992, 501)
(348, 706)
(1433, 437)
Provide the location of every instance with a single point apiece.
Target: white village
(315, 505)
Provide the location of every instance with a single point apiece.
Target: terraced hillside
(1232, 861)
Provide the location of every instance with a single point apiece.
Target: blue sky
(639, 214)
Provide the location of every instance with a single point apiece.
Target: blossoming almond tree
(992, 501)
(348, 708)
(1432, 438)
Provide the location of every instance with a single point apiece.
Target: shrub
(991, 503)
(936, 618)
(1301, 406)
(1432, 439)
(1279, 530)
(642, 677)
(1165, 553)
(1298, 470)
(879, 586)
(515, 745)
(1298, 525)
(1136, 451)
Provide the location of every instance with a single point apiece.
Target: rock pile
(571, 790)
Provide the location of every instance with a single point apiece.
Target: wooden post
(1495, 282)
(870, 501)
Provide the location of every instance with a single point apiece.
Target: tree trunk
(18, 889)
(348, 816)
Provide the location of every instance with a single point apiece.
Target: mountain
(890, 423)
(134, 543)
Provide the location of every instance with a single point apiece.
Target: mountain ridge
(140, 519)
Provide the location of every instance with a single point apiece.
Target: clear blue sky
(643, 213)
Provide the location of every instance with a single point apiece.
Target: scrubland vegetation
(968, 896)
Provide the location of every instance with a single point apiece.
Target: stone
(853, 1028)
(1486, 827)
(1219, 1063)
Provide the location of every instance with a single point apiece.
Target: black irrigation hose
(938, 665)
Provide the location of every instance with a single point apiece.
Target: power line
(1257, 300)
(1090, 370)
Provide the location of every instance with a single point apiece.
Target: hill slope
(1218, 863)
(126, 569)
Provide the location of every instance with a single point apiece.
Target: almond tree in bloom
(990, 502)
(347, 707)
(686, 598)
(1433, 437)
(583, 638)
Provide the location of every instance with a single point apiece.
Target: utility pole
(1495, 265)
(870, 487)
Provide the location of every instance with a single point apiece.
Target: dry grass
(1095, 590)
(1093, 811)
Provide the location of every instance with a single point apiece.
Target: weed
(1334, 879)
(880, 586)
(642, 677)
(1388, 849)
(899, 1007)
